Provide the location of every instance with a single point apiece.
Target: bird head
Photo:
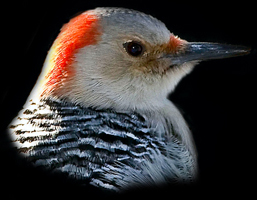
(121, 59)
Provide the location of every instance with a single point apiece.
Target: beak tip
(248, 50)
(243, 50)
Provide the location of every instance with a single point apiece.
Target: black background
(217, 99)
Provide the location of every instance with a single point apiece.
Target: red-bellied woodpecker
(99, 111)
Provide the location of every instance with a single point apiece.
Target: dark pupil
(134, 49)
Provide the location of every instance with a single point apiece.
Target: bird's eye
(133, 48)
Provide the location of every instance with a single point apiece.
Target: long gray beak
(199, 51)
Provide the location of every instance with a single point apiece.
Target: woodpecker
(99, 111)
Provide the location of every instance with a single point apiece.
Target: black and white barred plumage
(98, 147)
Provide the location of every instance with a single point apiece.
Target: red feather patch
(80, 31)
(175, 43)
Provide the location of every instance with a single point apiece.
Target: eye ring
(133, 48)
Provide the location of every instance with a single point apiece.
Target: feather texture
(99, 147)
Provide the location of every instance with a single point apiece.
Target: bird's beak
(200, 51)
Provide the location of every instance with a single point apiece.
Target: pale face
(121, 59)
(127, 68)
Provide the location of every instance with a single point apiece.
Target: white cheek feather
(100, 83)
